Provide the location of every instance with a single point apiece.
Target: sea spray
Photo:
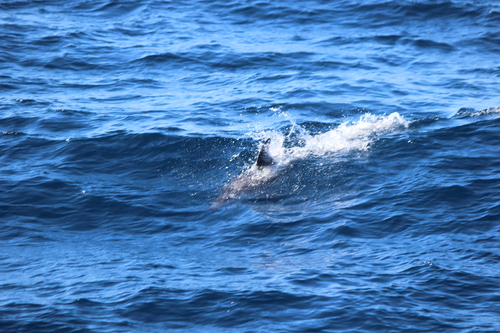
(348, 136)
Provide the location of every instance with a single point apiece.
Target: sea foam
(347, 137)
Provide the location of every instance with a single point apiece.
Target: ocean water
(130, 202)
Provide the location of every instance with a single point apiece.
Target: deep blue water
(127, 128)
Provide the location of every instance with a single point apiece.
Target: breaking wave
(298, 144)
(349, 136)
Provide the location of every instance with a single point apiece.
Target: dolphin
(264, 170)
(264, 158)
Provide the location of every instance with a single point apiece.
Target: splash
(347, 137)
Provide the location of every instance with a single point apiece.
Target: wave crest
(347, 137)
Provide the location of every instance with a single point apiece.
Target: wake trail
(347, 137)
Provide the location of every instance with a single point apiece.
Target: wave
(347, 137)
(285, 150)
(226, 60)
(373, 14)
(305, 161)
(469, 112)
(119, 170)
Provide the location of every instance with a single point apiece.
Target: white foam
(347, 137)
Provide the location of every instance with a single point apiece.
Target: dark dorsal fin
(264, 159)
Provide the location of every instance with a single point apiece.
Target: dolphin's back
(251, 178)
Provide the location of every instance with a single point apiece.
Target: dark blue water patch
(22, 234)
(483, 256)
(318, 12)
(86, 162)
(55, 123)
(52, 198)
(230, 62)
(24, 151)
(239, 13)
(30, 102)
(490, 217)
(17, 123)
(168, 58)
(135, 31)
(28, 84)
(376, 39)
(50, 41)
(454, 195)
(71, 325)
(252, 309)
(109, 8)
(73, 113)
(329, 110)
(29, 5)
(233, 107)
(69, 63)
(325, 64)
(433, 45)
(259, 232)
(486, 41)
(481, 131)
(6, 83)
(444, 10)
(490, 38)
(60, 124)
(276, 77)
(460, 284)
(113, 147)
(460, 85)
(495, 71)
(299, 94)
(388, 227)
(210, 308)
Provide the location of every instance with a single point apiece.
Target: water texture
(128, 197)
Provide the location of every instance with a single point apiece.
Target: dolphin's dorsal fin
(264, 159)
